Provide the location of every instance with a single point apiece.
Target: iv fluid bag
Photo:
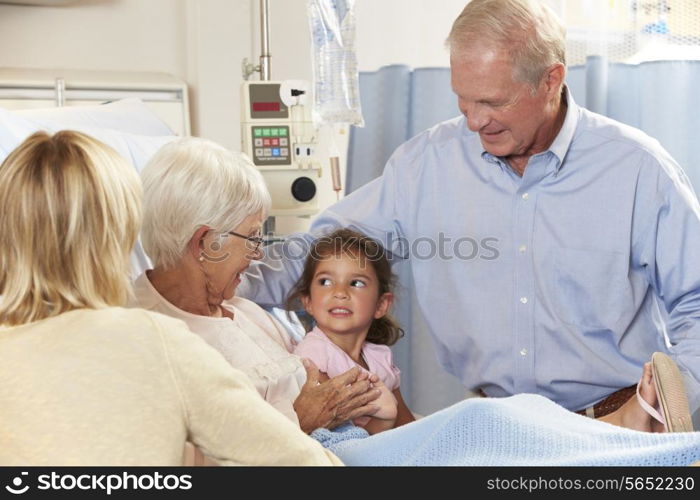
(336, 84)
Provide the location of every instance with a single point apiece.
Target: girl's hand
(385, 418)
(331, 402)
(387, 403)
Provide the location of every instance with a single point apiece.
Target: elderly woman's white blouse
(253, 341)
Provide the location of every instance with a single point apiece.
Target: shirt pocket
(591, 287)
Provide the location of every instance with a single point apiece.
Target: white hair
(529, 30)
(193, 182)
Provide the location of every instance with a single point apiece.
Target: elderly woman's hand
(334, 401)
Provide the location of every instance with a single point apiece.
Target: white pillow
(126, 115)
(137, 149)
(13, 130)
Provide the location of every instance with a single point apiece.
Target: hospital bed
(133, 130)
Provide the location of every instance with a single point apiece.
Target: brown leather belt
(610, 404)
(604, 407)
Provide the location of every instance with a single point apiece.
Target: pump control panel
(277, 133)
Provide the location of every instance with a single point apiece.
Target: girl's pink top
(331, 359)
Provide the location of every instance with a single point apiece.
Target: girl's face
(344, 295)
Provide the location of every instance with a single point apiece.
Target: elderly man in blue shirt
(593, 230)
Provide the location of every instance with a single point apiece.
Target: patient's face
(227, 256)
(344, 296)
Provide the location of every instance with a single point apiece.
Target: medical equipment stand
(279, 136)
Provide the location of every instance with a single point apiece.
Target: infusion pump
(277, 133)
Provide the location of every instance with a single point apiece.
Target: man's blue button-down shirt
(561, 282)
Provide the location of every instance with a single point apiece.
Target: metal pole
(60, 88)
(265, 40)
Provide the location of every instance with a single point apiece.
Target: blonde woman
(84, 381)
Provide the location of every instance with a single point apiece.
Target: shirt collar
(562, 141)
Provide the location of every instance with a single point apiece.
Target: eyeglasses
(252, 242)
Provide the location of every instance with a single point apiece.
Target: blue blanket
(520, 430)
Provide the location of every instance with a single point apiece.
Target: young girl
(346, 287)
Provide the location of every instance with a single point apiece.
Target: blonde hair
(193, 182)
(70, 210)
(529, 30)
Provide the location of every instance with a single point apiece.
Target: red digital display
(266, 106)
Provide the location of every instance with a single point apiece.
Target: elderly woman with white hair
(84, 380)
(204, 208)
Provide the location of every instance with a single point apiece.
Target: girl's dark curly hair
(384, 330)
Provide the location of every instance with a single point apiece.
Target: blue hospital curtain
(659, 97)
(662, 98)
(397, 104)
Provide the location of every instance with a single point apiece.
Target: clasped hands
(328, 402)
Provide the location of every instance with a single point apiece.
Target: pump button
(303, 189)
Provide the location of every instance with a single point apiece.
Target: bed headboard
(165, 95)
(129, 126)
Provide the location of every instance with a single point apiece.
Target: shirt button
(522, 248)
(525, 196)
(523, 300)
(523, 352)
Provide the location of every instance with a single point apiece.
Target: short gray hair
(193, 182)
(532, 33)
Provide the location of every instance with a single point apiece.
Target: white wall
(108, 34)
(218, 38)
(410, 32)
(199, 41)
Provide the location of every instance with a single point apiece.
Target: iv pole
(265, 40)
(264, 67)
